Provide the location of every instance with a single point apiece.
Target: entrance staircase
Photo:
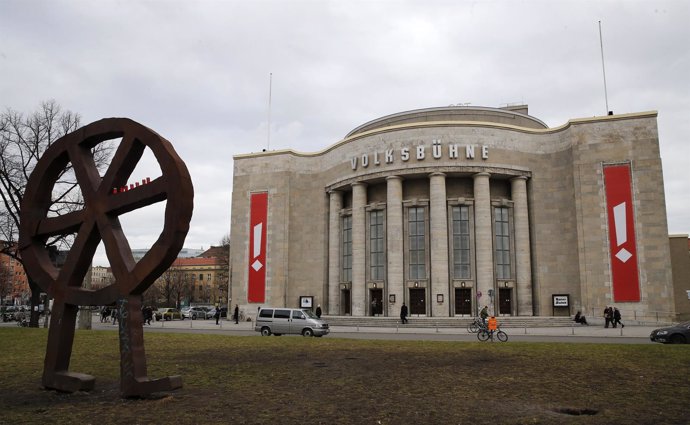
(447, 322)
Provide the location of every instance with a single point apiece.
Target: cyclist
(484, 314)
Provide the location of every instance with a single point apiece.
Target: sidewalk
(630, 331)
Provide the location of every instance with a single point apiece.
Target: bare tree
(6, 284)
(23, 140)
(171, 285)
(223, 276)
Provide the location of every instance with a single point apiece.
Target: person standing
(403, 314)
(148, 314)
(216, 315)
(617, 317)
(318, 311)
(236, 314)
(608, 313)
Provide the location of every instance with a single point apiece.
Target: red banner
(622, 248)
(258, 212)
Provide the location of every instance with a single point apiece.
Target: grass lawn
(296, 380)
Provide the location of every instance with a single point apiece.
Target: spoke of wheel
(61, 225)
(123, 163)
(80, 255)
(86, 171)
(116, 247)
(142, 196)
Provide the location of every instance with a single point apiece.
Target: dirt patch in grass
(291, 380)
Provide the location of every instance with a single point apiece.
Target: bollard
(396, 327)
(525, 330)
(572, 330)
(191, 321)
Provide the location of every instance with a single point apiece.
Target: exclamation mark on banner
(621, 228)
(256, 265)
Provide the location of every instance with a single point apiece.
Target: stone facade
(472, 206)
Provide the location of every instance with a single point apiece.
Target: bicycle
(476, 325)
(485, 335)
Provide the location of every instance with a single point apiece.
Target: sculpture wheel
(96, 221)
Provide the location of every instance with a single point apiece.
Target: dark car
(676, 334)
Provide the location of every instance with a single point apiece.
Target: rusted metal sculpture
(98, 220)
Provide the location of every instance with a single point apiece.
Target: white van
(279, 321)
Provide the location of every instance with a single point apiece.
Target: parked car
(196, 313)
(676, 334)
(169, 314)
(8, 313)
(297, 321)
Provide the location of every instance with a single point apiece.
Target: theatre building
(450, 209)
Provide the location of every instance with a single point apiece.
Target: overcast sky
(197, 72)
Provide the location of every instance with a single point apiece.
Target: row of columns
(439, 249)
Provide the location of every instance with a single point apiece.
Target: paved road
(577, 334)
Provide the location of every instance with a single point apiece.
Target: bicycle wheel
(483, 335)
(473, 327)
(502, 336)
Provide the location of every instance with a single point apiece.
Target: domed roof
(512, 115)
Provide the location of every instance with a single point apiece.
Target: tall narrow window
(416, 232)
(461, 242)
(347, 249)
(376, 253)
(502, 227)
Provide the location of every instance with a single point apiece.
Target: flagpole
(603, 68)
(270, 87)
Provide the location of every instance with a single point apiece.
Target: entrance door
(463, 301)
(505, 300)
(376, 303)
(417, 305)
(345, 302)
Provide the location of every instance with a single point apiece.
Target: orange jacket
(493, 324)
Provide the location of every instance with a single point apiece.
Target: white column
(483, 237)
(438, 239)
(394, 240)
(334, 253)
(359, 250)
(523, 261)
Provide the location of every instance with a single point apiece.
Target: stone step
(448, 322)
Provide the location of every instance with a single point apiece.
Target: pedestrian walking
(105, 314)
(148, 314)
(617, 318)
(216, 315)
(236, 314)
(403, 314)
(318, 311)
